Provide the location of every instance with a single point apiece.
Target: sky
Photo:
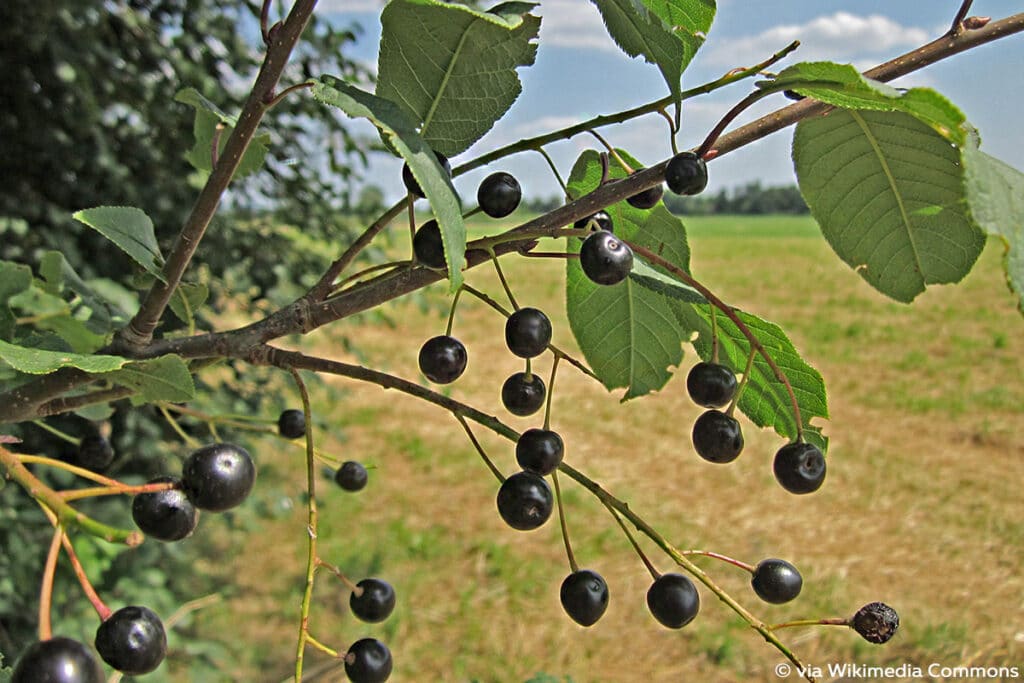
(580, 73)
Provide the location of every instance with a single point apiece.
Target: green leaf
(58, 275)
(667, 33)
(647, 276)
(765, 399)
(452, 68)
(627, 332)
(841, 85)
(41, 362)
(131, 230)
(396, 127)
(49, 312)
(14, 279)
(187, 299)
(208, 117)
(166, 378)
(887, 191)
(995, 193)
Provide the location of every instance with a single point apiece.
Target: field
(921, 509)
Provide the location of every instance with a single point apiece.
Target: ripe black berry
(584, 596)
(523, 394)
(218, 477)
(292, 424)
(58, 660)
(606, 260)
(673, 600)
(776, 581)
(499, 194)
(711, 385)
(442, 359)
(94, 453)
(686, 174)
(165, 515)
(527, 332)
(376, 601)
(539, 451)
(717, 437)
(428, 246)
(647, 199)
(368, 661)
(525, 501)
(132, 640)
(410, 181)
(594, 222)
(799, 467)
(876, 622)
(351, 476)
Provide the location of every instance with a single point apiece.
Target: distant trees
(751, 198)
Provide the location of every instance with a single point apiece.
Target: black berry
(165, 515)
(876, 622)
(94, 453)
(410, 181)
(218, 477)
(539, 451)
(376, 601)
(58, 660)
(686, 174)
(499, 194)
(584, 596)
(647, 199)
(368, 661)
(525, 501)
(132, 640)
(351, 476)
(428, 246)
(605, 259)
(442, 359)
(594, 222)
(776, 581)
(523, 394)
(527, 332)
(673, 600)
(711, 385)
(292, 424)
(799, 467)
(717, 437)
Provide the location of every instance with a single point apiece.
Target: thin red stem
(83, 579)
(46, 589)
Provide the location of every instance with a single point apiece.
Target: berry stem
(549, 254)
(56, 432)
(310, 640)
(504, 282)
(554, 169)
(834, 621)
(190, 607)
(743, 383)
(67, 515)
(312, 522)
(190, 440)
(339, 287)
(561, 521)
(729, 117)
(611, 150)
(412, 223)
(451, 311)
(121, 489)
(61, 465)
(714, 335)
(755, 343)
(655, 574)
(90, 593)
(349, 583)
(479, 449)
(672, 130)
(472, 212)
(46, 587)
(724, 558)
(551, 391)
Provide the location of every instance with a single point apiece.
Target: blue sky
(580, 73)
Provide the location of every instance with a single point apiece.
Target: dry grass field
(922, 507)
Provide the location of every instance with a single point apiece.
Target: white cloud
(350, 6)
(838, 37)
(574, 24)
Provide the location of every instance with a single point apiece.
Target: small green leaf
(667, 33)
(41, 362)
(396, 127)
(995, 193)
(14, 279)
(52, 313)
(103, 314)
(208, 117)
(131, 230)
(452, 68)
(765, 399)
(166, 378)
(887, 191)
(187, 299)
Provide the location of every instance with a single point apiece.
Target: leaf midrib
(429, 116)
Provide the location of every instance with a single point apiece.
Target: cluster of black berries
(351, 476)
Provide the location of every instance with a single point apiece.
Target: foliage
(894, 178)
